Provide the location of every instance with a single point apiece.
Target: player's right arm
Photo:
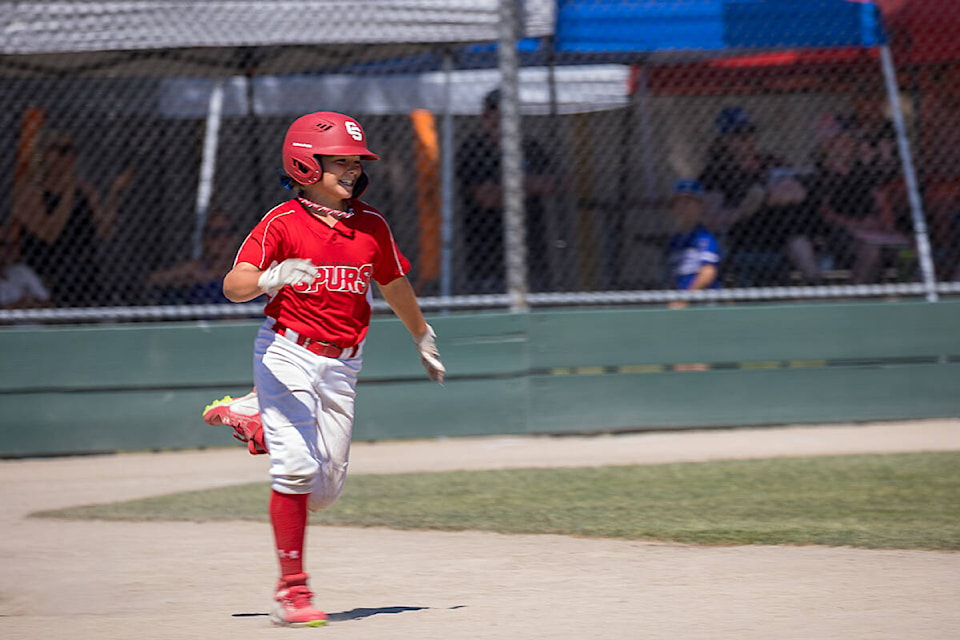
(255, 272)
(242, 283)
(246, 281)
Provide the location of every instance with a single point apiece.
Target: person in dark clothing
(63, 220)
(199, 280)
(847, 193)
(758, 204)
(480, 184)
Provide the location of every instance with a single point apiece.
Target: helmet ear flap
(303, 168)
(360, 185)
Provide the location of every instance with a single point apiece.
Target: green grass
(873, 501)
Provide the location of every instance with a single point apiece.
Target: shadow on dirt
(356, 614)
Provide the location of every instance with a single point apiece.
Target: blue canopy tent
(656, 26)
(659, 31)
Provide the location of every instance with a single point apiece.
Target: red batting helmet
(324, 133)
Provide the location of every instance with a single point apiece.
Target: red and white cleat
(243, 414)
(294, 606)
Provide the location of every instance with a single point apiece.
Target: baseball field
(93, 579)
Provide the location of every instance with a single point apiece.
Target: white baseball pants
(306, 406)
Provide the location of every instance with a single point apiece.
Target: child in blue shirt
(693, 254)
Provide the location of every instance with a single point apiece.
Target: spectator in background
(868, 117)
(199, 280)
(63, 219)
(20, 286)
(480, 184)
(847, 193)
(758, 204)
(937, 130)
(693, 254)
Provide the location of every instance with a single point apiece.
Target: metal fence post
(515, 253)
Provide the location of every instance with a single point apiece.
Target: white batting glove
(292, 271)
(429, 355)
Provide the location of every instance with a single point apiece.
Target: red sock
(288, 514)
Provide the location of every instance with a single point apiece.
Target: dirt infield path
(166, 581)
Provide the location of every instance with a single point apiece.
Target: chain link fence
(796, 165)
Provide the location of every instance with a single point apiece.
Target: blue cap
(688, 187)
(734, 120)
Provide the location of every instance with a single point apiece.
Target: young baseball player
(693, 253)
(316, 256)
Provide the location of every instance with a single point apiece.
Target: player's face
(687, 210)
(340, 174)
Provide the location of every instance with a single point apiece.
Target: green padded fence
(85, 389)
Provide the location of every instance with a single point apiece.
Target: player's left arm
(403, 301)
(704, 278)
(709, 250)
(399, 295)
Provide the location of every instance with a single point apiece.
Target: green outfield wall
(99, 388)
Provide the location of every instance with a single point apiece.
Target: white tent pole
(515, 242)
(208, 165)
(447, 179)
(913, 193)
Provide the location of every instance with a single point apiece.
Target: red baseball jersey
(336, 306)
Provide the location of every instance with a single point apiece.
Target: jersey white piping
(393, 242)
(266, 229)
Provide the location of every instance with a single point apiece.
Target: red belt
(319, 347)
